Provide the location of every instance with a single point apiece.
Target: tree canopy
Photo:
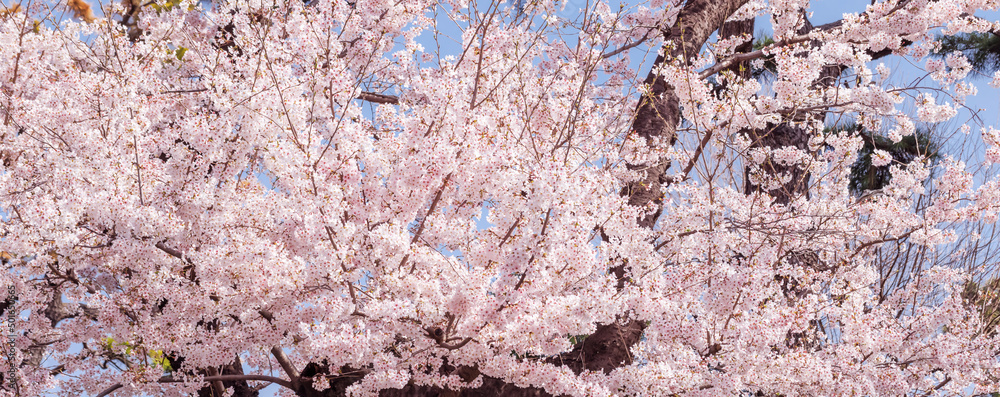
(410, 198)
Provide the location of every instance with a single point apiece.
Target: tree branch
(217, 388)
(172, 252)
(420, 229)
(378, 98)
(184, 91)
(628, 46)
(221, 378)
(743, 57)
(286, 365)
(138, 172)
(509, 231)
(281, 357)
(946, 380)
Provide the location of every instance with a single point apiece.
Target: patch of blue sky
(266, 179)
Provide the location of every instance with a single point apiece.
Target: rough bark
(791, 134)
(778, 136)
(491, 387)
(241, 388)
(605, 349)
(658, 113)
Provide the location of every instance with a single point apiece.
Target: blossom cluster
(317, 179)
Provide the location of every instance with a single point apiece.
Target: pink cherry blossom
(381, 197)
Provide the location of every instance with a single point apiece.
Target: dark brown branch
(455, 346)
(880, 241)
(679, 235)
(946, 380)
(184, 91)
(379, 98)
(434, 203)
(509, 231)
(748, 56)
(172, 252)
(423, 221)
(545, 225)
(697, 153)
(138, 172)
(216, 385)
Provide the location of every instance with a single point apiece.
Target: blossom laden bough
(329, 197)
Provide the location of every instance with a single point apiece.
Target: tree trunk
(658, 113)
(790, 134)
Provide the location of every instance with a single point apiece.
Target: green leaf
(160, 360)
(179, 53)
(108, 343)
(167, 5)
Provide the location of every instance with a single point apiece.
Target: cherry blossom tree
(486, 198)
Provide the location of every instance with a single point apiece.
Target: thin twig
(545, 225)
(627, 46)
(880, 241)
(138, 174)
(682, 234)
